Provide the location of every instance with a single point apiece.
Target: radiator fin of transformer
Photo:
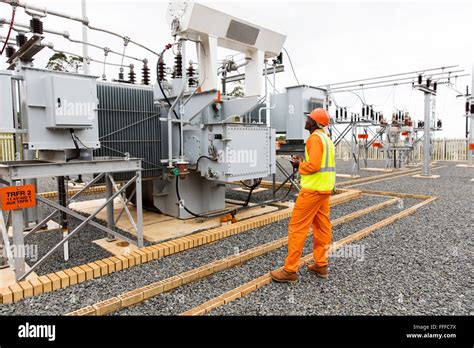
(129, 123)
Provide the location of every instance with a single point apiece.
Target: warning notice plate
(18, 197)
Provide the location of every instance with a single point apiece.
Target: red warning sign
(18, 197)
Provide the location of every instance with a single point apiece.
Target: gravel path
(90, 292)
(419, 266)
(191, 295)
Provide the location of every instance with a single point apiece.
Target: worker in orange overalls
(318, 178)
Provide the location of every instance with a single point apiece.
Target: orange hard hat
(320, 115)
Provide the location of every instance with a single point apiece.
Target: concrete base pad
(383, 170)
(246, 190)
(465, 166)
(76, 186)
(51, 226)
(347, 176)
(419, 176)
(117, 247)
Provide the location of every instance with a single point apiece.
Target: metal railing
(442, 150)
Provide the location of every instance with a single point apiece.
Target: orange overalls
(311, 208)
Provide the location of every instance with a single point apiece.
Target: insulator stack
(440, 124)
(467, 107)
(9, 51)
(161, 70)
(36, 26)
(337, 113)
(191, 72)
(363, 111)
(178, 66)
(21, 39)
(131, 74)
(145, 73)
(121, 78)
(428, 83)
(435, 86)
(420, 79)
(345, 114)
(371, 113)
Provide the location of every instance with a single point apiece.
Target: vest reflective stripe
(325, 178)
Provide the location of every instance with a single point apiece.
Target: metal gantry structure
(396, 137)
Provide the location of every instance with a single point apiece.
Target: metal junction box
(288, 115)
(243, 151)
(54, 104)
(71, 102)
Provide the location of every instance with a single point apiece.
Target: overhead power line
(291, 65)
(421, 71)
(85, 21)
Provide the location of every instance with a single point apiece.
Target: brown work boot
(320, 271)
(282, 276)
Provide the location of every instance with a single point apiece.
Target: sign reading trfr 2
(18, 197)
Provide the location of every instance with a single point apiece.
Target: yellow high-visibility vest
(325, 178)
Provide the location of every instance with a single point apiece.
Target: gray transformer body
(221, 143)
(128, 123)
(219, 148)
(55, 103)
(290, 108)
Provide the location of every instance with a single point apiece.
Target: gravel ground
(75, 297)
(191, 295)
(421, 265)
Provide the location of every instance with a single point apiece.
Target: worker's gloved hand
(295, 161)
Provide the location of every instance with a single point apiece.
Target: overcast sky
(328, 42)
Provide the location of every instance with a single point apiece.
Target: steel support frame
(15, 173)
